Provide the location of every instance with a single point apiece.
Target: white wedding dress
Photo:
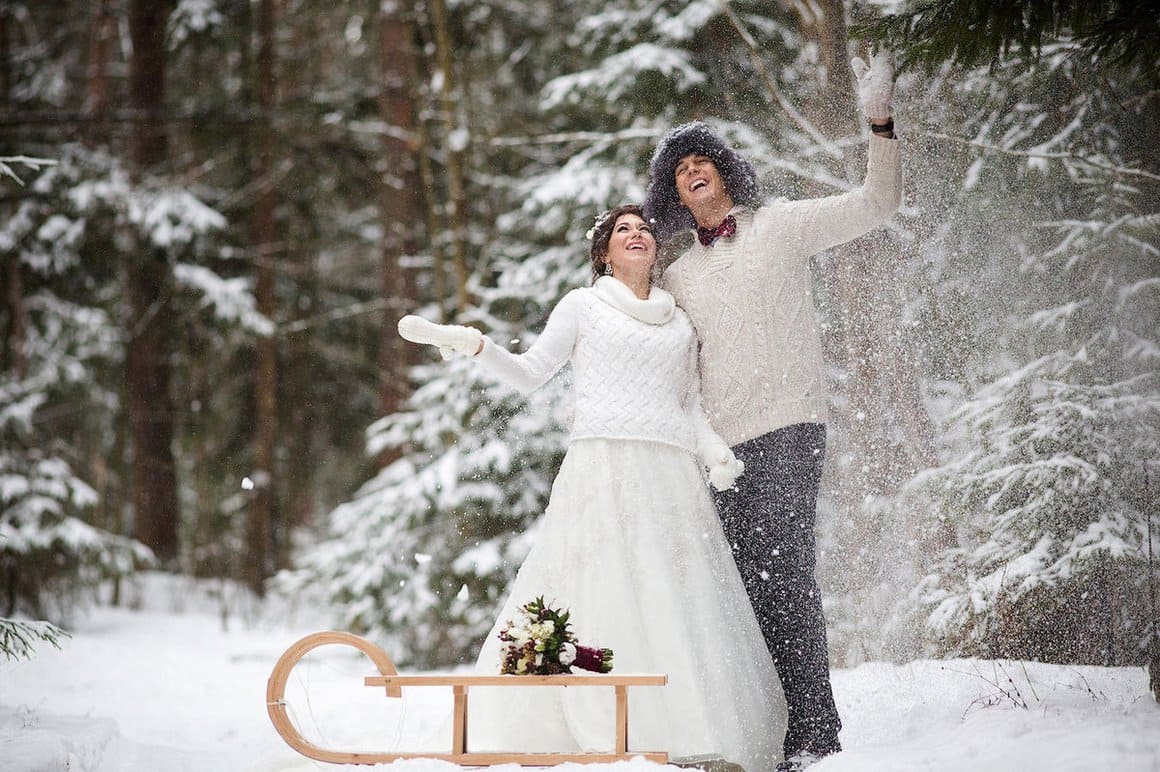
(630, 543)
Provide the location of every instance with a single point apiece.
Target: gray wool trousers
(768, 519)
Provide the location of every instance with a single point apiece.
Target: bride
(630, 542)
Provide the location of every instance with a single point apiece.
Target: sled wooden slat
(459, 722)
(622, 720)
(575, 679)
(392, 682)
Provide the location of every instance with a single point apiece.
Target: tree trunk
(456, 143)
(836, 112)
(260, 527)
(101, 32)
(12, 356)
(883, 399)
(400, 210)
(431, 218)
(5, 58)
(300, 412)
(146, 277)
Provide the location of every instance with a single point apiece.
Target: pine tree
(50, 556)
(1124, 33)
(1042, 327)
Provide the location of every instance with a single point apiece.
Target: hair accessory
(885, 128)
(597, 221)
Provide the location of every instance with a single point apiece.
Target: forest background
(213, 213)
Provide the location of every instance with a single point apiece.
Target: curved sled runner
(390, 679)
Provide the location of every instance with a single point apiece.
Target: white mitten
(450, 338)
(724, 467)
(875, 84)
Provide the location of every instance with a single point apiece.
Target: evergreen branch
(7, 162)
(930, 32)
(17, 639)
(971, 33)
(1122, 170)
(774, 92)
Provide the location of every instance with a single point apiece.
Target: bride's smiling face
(631, 247)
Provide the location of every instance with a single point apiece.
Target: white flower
(597, 221)
(567, 654)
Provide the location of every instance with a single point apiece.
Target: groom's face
(698, 181)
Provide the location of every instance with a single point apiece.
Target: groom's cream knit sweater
(750, 298)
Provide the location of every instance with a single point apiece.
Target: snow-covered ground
(156, 689)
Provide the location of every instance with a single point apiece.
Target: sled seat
(461, 684)
(389, 679)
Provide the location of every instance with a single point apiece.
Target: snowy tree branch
(7, 162)
(774, 92)
(18, 639)
(1123, 170)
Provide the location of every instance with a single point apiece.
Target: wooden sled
(390, 679)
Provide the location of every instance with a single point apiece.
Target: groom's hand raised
(875, 84)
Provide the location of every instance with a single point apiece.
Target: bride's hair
(601, 234)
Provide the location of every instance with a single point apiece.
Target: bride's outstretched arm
(527, 371)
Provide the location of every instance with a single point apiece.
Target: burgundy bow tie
(708, 236)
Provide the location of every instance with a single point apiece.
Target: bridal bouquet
(538, 642)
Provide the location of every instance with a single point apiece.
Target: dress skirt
(631, 544)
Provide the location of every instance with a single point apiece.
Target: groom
(745, 283)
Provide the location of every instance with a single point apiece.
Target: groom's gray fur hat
(662, 203)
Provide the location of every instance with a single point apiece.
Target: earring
(608, 269)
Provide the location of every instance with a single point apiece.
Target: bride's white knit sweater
(751, 301)
(633, 361)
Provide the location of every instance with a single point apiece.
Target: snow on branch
(172, 217)
(1122, 170)
(18, 637)
(7, 162)
(230, 299)
(614, 75)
